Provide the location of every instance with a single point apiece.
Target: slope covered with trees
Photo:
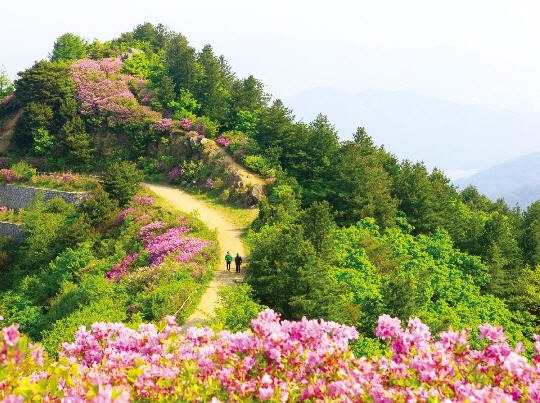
(348, 232)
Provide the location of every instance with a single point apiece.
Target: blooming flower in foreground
(275, 360)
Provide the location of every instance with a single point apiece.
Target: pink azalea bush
(273, 361)
(175, 174)
(143, 199)
(6, 175)
(163, 125)
(122, 269)
(186, 124)
(102, 89)
(172, 241)
(224, 141)
(159, 241)
(124, 213)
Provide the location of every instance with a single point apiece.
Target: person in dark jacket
(238, 262)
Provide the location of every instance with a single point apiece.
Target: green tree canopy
(6, 85)
(69, 47)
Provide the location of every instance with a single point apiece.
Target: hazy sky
(472, 51)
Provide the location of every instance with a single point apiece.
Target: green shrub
(22, 170)
(108, 309)
(259, 164)
(210, 128)
(122, 180)
(99, 207)
(237, 308)
(166, 299)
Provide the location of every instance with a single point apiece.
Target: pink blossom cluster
(209, 184)
(142, 218)
(6, 175)
(163, 125)
(102, 89)
(21, 364)
(175, 173)
(186, 124)
(3, 209)
(275, 361)
(224, 141)
(171, 241)
(121, 269)
(147, 233)
(67, 177)
(149, 200)
(96, 89)
(123, 214)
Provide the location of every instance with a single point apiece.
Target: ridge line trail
(229, 237)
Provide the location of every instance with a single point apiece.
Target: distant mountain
(517, 181)
(443, 134)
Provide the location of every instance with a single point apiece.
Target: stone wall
(13, 230)
(17, 197)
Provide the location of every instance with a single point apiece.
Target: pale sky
(463, 37)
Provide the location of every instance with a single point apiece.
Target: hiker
(238, 261)
(228, 260)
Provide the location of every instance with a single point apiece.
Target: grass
(66, 182)
(242, 216)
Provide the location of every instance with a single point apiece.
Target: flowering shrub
(102, 89)
(163, 125)
(175, 174)
(159, 165)
(159, 241)
(209, 183)
(10, 215)
(65, 181)
(143, 199)
(224, 141)
(6, 175)
(171, 241)
(186, 124)
(274, 361)
(121, 269)
(123, 214)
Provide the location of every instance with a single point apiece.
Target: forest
(347, 231)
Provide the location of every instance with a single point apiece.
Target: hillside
(516, 181)
(347, 232)
(443, 134)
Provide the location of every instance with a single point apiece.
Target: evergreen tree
(78, 143)
(180, 62)
(6, 86)
(530, 240)
(69, 47)
(211, 89)
(361, 187)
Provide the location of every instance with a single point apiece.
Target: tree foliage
(68, 47)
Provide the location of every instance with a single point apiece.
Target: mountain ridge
(517, 180)
(442, 133)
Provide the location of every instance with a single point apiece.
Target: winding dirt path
(229, 237)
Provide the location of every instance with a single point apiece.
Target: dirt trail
(229, 238)
(247, 177)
